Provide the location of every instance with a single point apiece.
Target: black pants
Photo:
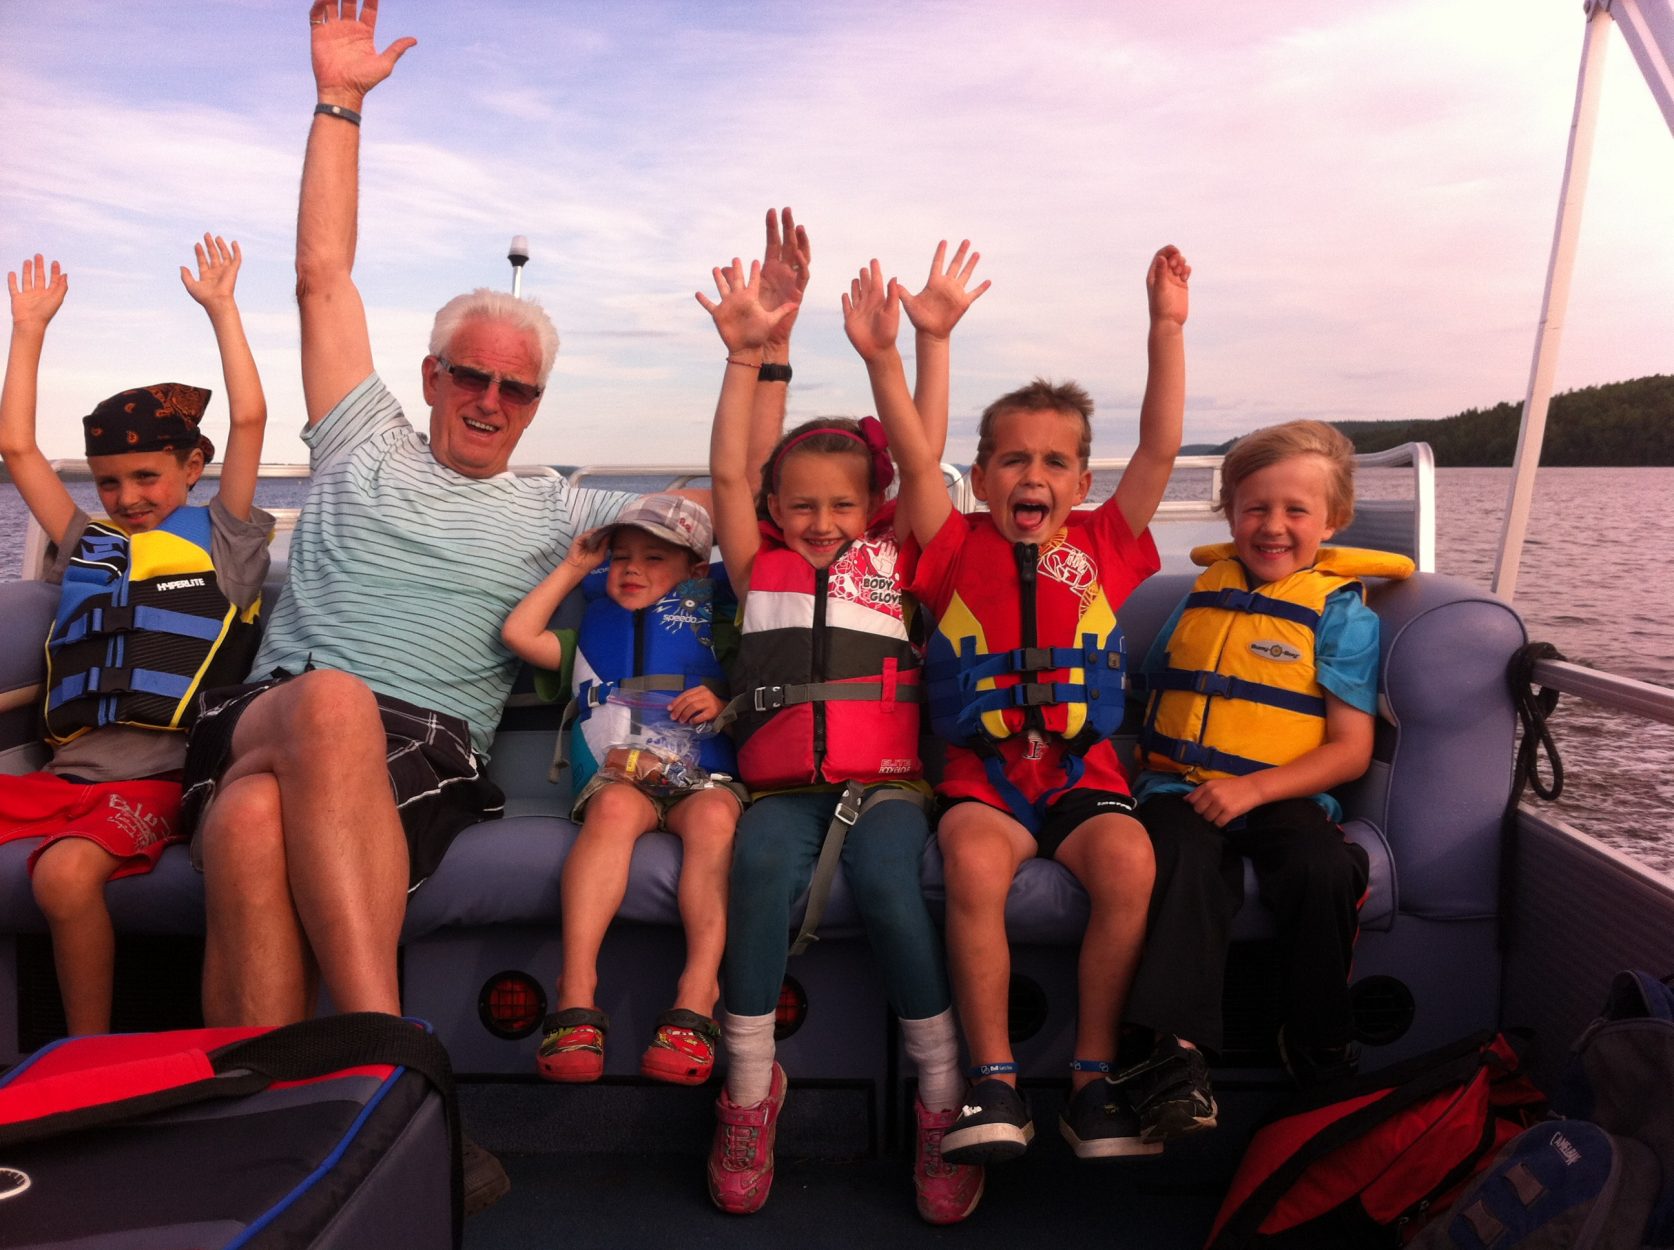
(1310, 877)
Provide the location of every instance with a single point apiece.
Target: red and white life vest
(826, 683)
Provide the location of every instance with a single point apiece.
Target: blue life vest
(142, 626)
(645, 657)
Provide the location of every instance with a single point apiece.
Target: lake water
(1589, 585)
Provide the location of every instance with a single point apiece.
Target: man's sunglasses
(475, 382)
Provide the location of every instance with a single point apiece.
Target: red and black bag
(338, 1132)
(1366, 1160)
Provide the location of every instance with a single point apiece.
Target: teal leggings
(779, 839)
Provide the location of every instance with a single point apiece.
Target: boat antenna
(518, 255)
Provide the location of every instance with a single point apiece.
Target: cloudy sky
(1366, 192)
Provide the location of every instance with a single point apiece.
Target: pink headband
(871, 439)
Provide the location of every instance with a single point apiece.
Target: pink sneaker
(741, 1160)
(947, 1192)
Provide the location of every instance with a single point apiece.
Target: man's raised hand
(347, 63)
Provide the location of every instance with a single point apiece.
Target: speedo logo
(180, 583)
(1269, 649)
(887, 767)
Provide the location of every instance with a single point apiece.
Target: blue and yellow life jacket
(653, 652)
(1240, 692)
(1030, 645)
(142, 626)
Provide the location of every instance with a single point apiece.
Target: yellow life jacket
(1240, 691)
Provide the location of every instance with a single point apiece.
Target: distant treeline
(1622, 423)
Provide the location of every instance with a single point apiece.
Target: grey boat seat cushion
(1427, 812)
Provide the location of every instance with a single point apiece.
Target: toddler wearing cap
(644, 681)
(157, 601)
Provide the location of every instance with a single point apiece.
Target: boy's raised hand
(217, 272)
(1166, 284)
(784, 270)
(946, 295)
(38, 295)
(741, 320)
(590, 549)
(872, 312)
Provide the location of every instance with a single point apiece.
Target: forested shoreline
(1617, 424)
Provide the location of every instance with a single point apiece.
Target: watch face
(12, 1182)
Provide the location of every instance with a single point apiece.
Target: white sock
(749, 1042)
(933, 1046)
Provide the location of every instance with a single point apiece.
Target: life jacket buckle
(1210, 683)
(769, 699)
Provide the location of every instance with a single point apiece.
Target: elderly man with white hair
(331, 787)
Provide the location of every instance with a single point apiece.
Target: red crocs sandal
(682, 1051)
(572, 1051)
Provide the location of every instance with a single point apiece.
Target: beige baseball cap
(673, 518)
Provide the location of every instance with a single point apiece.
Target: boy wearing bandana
(158, 600)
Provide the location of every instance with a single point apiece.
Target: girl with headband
(826, 718)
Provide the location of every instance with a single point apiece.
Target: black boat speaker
(1383, 1009)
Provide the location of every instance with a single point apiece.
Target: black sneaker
(1312, 1065)
(1170, 1091)
(486, 1181)
(993, 1126)
(1099, 1123)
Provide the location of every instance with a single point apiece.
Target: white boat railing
(1619, 694)
(1406, 524)
(74, 469)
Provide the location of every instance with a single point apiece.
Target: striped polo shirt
(402, 571)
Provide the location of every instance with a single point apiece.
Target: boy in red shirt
(1025, 684)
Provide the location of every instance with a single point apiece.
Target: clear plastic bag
(659, 754)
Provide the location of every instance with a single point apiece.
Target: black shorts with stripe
(436, 778)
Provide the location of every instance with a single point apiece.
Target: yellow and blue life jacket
(1240, 690)
(142, 626)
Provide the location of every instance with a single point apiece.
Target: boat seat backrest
(1427, 811)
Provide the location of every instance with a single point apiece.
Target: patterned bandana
(163, 417)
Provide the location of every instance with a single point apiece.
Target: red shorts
(133, 820)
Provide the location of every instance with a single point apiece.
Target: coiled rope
(1532, 710)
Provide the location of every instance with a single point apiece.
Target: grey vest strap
(850, 808)
(772, 698)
